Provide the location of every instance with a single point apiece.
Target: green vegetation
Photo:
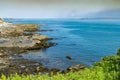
(107, 69)
(118, 52)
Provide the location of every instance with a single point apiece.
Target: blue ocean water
(85, 41)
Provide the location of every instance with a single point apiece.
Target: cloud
(54, 8)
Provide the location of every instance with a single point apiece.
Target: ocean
(86, 41)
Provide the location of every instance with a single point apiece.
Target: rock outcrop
(74, 68)
(13, 30)
(13, 35)
(21, 41)
(27, 27)
(13, 41)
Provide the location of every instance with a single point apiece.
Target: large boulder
(76, 68)
(39, 37)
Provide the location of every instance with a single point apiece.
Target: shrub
(118, 52)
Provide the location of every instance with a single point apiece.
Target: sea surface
(86, 41)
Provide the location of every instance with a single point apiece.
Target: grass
(107, 69)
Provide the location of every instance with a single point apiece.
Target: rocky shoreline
(14, 41)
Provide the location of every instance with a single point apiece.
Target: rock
(73, 68)
(24, 42)
(64, 71)
(76, 68)
(28, 27)
(39, 37)
(3, 62)
(39, 69)
(8, 29)
(54, 70)
(12, 35)
(2, 54)
(69, 57)
(15, 40)
(22, 66)
(27, 70)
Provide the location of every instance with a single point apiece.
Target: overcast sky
(54, 8)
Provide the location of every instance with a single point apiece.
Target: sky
(54, 8)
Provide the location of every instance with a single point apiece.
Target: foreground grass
(107, 69)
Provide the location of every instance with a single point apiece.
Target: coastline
(14, 66)
(14, 41)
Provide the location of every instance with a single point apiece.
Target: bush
(118, 52)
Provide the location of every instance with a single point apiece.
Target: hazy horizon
(54, 8)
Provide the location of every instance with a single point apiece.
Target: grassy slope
(107, 69)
